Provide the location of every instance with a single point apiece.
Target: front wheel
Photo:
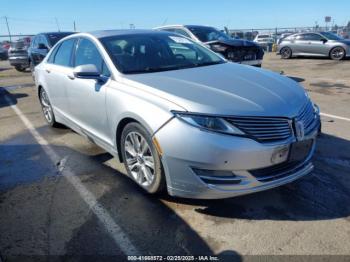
(47, 108)
(141, 159)
(286, 53)
(337, 53)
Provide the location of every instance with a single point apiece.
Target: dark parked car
(18, 54)
(235, 50)
(41, 44)
(3, 53)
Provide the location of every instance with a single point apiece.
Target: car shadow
(324, 194)
(5, 68)
(296, 79)
(12, 97)
(151, 226)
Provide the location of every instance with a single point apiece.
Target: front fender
(124, 101)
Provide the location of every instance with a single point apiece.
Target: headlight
(210, 123)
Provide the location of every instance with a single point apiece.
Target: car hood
(347, 42)
(233, 42)
(225, 89)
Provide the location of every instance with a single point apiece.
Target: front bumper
(19, 60)
(186, 149)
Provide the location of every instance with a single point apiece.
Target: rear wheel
(286, 52)
(47, 108)
(20, 68)
(337, 53)
(141, 159)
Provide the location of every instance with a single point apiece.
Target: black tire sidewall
(158, 183)
(53, 122)
(20, 68)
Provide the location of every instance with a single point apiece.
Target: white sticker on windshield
(180, 40)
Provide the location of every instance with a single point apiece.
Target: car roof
(107, 33)
(193, 26)
(56, 33)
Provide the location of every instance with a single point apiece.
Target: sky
(33, 16)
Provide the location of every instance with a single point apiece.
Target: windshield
(207, 34)
(54, 38)
(331, 36)
(146, 53)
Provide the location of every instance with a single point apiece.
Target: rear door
(57, 69)
(300, 44)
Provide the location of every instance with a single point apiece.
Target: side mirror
(324, 40)
(42, 46)
(89, 71)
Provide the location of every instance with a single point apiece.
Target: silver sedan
(179, 116)
(323, 44)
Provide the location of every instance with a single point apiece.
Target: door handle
(71, 77)
(48, 70)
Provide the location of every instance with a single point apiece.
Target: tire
(20, 68)
(286, 53)
(337, 53)
(47, 108)
(141, 159)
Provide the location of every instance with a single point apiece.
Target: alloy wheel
(337, 53)
(45, 103)
(286, 52)
(139, 159)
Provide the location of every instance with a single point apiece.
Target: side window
(35, 42)
(52, 55)
(87, 53)
(310, 37)
(43, 40)
(64, 53)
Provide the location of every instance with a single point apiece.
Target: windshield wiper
(168, 68)
(209, 63)
(151, 70)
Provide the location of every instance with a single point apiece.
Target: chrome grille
(264, 129)
(308, 117)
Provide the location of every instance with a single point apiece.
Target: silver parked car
(324, 44)
(177, 114)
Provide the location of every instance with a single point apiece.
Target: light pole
(8, 29)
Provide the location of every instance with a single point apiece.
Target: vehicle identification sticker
(180, 40)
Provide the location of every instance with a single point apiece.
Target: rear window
(63, 55)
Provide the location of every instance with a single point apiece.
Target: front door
(87, 96)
